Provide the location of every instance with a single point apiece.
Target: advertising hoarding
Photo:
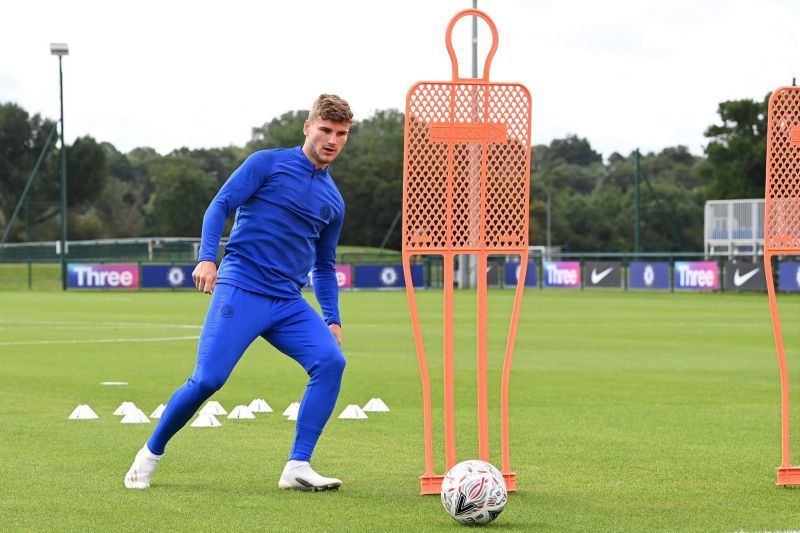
(602, 274)
(512, 274)
(744, 277)
(167, 276)
(344, 277)
(696, 275)
(102, 276)
(648, 275)
(385, 277)
(562, 274)
(789, 276)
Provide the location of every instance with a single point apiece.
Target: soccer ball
(474, 492)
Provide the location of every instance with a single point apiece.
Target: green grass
(33, 276)
(629, 412)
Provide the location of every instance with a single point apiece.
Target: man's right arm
(242, 184)
(205, 276)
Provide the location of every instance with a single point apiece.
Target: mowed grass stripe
(629, 412)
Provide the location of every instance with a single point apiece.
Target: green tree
(87, 172)
(22, 138)
(736, 154)
(182, 194)
(121, 205)
(573, 150)
(369, 174)
(217, 162)
(281, 132)
(593, 205)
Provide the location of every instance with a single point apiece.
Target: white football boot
(144, 464)
(300, 476)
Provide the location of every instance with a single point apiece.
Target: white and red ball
(474, 492)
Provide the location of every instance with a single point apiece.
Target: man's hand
(336, 329)
(205, 276)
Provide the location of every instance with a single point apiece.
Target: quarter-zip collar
(307, 164)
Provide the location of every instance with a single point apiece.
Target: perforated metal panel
(467, 167)
(782, 234)
(782, 195)
(466, 178)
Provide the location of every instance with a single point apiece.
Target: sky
(623, 74)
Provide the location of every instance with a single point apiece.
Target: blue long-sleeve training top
(288, 218)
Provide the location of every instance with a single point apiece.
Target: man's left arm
(326, 287)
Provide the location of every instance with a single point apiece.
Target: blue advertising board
(167, 276)
(647, 275)
(102, 275)
(385, 277)
(512, 274)
(561, 273)
(697, 275)
(788, 272)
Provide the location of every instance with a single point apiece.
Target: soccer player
(288, 217)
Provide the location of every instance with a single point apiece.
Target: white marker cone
(206, 421)
(213, 408)
(292, 410)
(83, 412)
(241, 411)
(124, 408)
(259, 405)
(159, 411)
(376, 405)
(135, 416)
(353, 411)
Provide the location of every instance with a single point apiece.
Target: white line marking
(97, 324)
(97, 341)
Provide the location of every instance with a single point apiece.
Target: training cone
(135, 416)
(241, 411)
(292, 410)
(83, 412)
(259, 405)
(376, 405)
(213, 408)
(159, 411)
(206, 421)
(124, 408)
(353, 411)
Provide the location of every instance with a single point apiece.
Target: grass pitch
(629, 412)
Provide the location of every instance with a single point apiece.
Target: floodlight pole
(548, 220)
(468, 269)
(60, 50)
(474, 41)
(636, 215)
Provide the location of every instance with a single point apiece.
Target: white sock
(294, 464)
(153, 456)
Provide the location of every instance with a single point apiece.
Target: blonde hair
(331, 107)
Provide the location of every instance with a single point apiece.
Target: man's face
(324, 140)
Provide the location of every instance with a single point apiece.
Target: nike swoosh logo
(597, 277)
(739, 280)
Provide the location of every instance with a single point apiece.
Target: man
(288, 217)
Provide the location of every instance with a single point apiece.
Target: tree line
(592, 201)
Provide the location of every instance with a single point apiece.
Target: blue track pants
(235, 318)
